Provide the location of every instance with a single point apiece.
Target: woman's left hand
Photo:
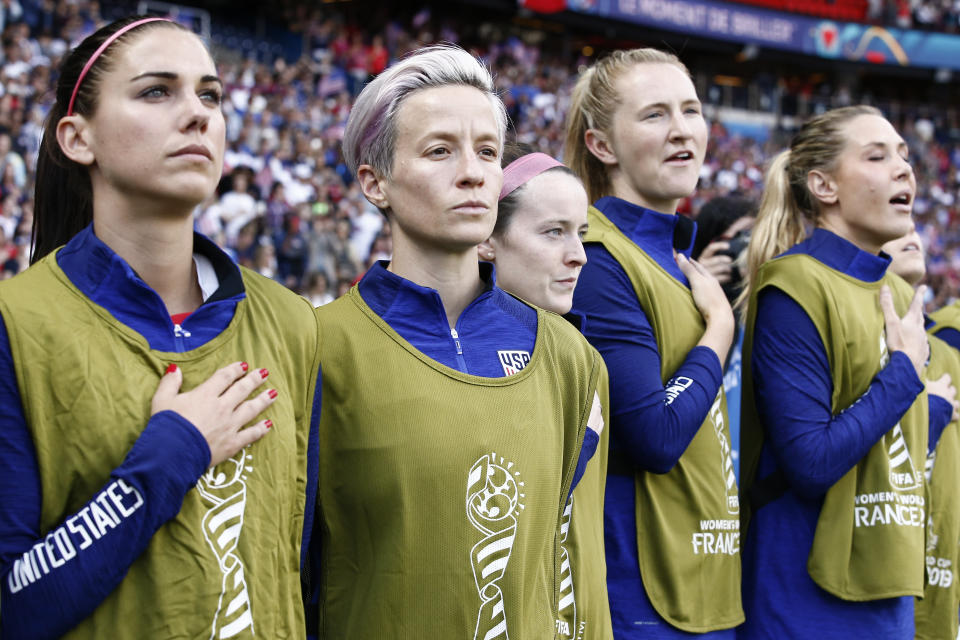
(906, 334)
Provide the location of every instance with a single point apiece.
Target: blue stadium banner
(791, 32)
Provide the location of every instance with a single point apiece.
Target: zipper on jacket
(178, 335)
(456, 341)
(460, 360)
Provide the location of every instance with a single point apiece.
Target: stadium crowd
(930, 15)
(938, 15)
(287, 206)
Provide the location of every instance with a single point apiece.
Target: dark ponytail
(63, 196)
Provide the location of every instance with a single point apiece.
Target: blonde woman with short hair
(453, 414)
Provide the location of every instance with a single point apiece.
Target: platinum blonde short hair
(371, 133)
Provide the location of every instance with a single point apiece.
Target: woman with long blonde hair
(835, 423)
(637, 137)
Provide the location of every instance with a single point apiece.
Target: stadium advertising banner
(814, 36)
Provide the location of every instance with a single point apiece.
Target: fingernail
(264, 373)
(171, 368)
(268, 423)
(244, 366)
(272, 393)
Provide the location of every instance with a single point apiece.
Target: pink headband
(103, 47)
(521, 170)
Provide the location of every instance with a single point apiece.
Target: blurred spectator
(12, 168)
(277, 207)
(723, 232)
(265, 260)
(291, 252)
(9, 266)
(317, 290)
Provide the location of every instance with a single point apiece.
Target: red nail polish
(264, 373)
(171, 368)
(268, 423)
(272, 393)
(244, 366)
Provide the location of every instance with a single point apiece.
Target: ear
(486, 250)
(372, 186)
(599, 145)
(822, 186)
(73, 136)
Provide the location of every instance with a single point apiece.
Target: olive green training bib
(869, 538)
(936, 614)
(227, 566)
(688, 520)
(442, 494)
(947, 317)
(584, 609)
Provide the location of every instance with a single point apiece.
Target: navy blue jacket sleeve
(652, 423)
(793, 386)
(51, 580)
(950, 336)
(941, 412)
(587, 450)
(313, 472)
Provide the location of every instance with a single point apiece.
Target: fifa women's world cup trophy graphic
(903, 474)
(493, 503)
(224, 491)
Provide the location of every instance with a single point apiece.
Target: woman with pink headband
(537, 248)
(123, 512)
(536, 242)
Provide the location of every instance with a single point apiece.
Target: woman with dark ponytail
(63, 198)
(126, 512)
(835, 422)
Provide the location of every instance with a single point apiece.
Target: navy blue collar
(648, 227)
(577, 319)
(89, 263)
(494, 335)
(842, 255)
(109, 281)
(658, 234)
(380, 288)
